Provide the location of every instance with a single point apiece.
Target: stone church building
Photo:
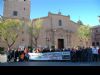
(58, 30)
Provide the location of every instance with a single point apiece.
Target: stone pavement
(50, 63)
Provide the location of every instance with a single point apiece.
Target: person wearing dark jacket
(22, 57)
(78, 55)
(9, 56)
(16, 55)
(89, 54)
(73, 55)
(99, 54)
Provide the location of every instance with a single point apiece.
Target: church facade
(58, 30)
(96, 35)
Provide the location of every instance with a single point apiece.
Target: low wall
(3, 58)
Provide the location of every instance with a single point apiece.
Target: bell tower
(17, 9)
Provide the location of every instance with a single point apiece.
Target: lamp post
(47, 38)
(47, 42)
(53, 42)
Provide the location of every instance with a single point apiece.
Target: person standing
(16, 55)
(84, 53)
(9, 55)
(95, 54)
(89, 54)
(99, 54)
(22, 57)
(73, 55)
(26, 54)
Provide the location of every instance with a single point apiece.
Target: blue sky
(85, 10)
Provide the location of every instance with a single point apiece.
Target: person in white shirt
(95, 53)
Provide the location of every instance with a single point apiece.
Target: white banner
(50, 56)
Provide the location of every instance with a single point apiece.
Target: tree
(9, 29)
(35, 29)
(80, 22)
(84, 32)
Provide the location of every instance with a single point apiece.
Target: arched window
(60, 22)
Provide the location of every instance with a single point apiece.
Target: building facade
(59, 31)
(18, 9)
(96, 35)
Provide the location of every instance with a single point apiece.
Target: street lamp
(47, 41)
(47, 38)
(54, 37)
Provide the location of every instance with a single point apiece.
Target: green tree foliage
(1, 50)
(35, 31)
(84, 32)
(9, 29)
(80, 22)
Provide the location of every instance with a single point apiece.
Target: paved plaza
(50, 63)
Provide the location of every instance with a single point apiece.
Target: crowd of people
(18, 55)
(79, 54)
(86, 54)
